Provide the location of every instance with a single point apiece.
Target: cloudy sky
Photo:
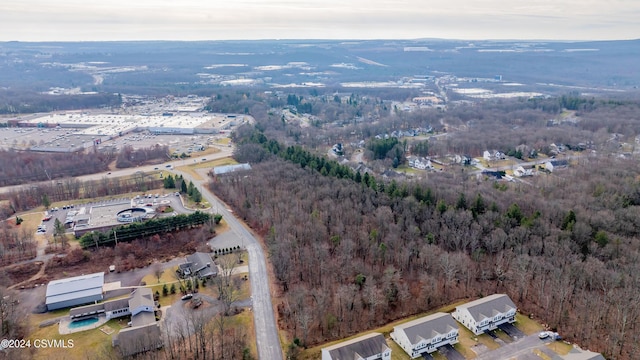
(84, 20)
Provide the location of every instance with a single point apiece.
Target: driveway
(516, 350)
(512, 331)
(450, 353)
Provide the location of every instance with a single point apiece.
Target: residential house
(426, 335)
(554, 164)
(486, 313)
(144, 333)
(420, 163)
(199, 265)
(521, 171)
(487, 155)
(368, 347)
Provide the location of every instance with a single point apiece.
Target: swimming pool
(83, 322)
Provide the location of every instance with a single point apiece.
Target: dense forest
(130, 157)
(349, 257)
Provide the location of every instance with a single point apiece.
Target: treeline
(28, 102)
(24, 167)
(349, 258)
(130, 157)
(143, 229)
(69, 189)
(16, 244)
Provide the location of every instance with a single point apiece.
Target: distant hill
(167, 66)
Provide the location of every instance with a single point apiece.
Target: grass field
(526, 325)
(87, 344)
(560, 347)
(191, 169)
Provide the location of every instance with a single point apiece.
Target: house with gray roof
(486, 314)
(74, 291)
(368, 347)
(138, 339)
(198, 264)
(144, 333)
(426, 334)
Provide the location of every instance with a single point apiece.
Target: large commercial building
(74, 291)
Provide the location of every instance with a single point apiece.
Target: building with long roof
(74, 291)
(486, 314)
(370, 346)
(426, 334)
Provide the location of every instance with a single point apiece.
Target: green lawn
(526, 325)
(87, 344)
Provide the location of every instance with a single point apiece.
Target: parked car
(187, 297)
(543, 335)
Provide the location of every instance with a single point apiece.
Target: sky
(108, 20)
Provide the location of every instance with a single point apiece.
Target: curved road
(268, 341)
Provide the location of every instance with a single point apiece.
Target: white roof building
(74, 291)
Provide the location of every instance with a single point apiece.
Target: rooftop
(74, 287)
(489, 306)
(427, 327)
(218, 170)
(365, 346)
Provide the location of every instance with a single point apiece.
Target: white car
(543, 335)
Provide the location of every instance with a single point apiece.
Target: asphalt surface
(225, 151)
(516, 350)
(268, 341)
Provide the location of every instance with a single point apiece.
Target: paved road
(268, 341)
(224, 152)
